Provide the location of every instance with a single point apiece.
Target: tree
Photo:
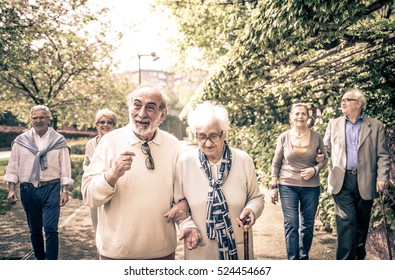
(46, 50)
(211, 26)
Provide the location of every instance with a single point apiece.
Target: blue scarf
(26, 140)
(218, 223)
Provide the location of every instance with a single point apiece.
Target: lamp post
(154, 57)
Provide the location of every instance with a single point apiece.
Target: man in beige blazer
(359, 170)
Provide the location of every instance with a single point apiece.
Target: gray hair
(106, 113)
(360, 95)
(295, 105)
(207, 114)
(148, 88)
(43, 108)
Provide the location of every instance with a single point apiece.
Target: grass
(3, 166)
(4, 205)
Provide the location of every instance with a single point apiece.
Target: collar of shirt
(360, 119)
(133, 139)
(41, 142)
(215, 167)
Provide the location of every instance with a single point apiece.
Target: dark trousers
(42, 207)
(352, 220)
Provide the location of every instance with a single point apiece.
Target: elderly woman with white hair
(220, 184)
(105, 120)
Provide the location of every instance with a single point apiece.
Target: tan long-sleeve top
(287, 165)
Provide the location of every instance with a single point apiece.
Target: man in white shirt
(40, 163)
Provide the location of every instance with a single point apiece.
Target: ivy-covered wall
(313, 52)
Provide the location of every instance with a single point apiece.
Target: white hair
(148, 88)
(106, 113)
(43, 108)
(360, 95)
(207, 114)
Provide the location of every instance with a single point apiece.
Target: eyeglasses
(214, 137)
(104, 122)
(349, 99)
(39, 118)
(149, 161)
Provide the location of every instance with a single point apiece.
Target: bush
(71, 134)
(76, 172)
(3, 166)
(77, 145)
(8, 134)
(4, 205)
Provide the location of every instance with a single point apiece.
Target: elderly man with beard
(132, 174)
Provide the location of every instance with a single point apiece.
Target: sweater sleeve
(322, 164)
(278, 156)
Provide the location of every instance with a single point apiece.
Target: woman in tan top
(295, 173)
(105, 120)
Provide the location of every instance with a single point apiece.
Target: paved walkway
(77, 237)
(5, 154)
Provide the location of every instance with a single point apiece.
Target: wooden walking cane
(246, 241)
(386, 226)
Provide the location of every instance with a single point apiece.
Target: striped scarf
(218, 224)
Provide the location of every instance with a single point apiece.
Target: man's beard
(144, 130)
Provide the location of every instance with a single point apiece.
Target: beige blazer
(373, 156)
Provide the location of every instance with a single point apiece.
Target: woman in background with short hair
(105, 120)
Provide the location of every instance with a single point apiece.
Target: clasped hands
(179, 213)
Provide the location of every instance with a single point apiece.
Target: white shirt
(20, 163)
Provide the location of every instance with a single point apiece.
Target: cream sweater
(240, 189)
(89, 151)
(131, 223)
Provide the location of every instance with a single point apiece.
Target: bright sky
(144, 31)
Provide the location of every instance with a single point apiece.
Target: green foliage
(175, 126)
(78, 146)
(77, 171)
(8, 118)
(6, 138)
(304, 51)
(3, 166)
(211, 26)
(51, 56)
(4, 204)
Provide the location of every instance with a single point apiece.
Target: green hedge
(7, 136)
(6, 139)
(76, 172)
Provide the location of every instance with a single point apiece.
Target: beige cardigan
(240, 189)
